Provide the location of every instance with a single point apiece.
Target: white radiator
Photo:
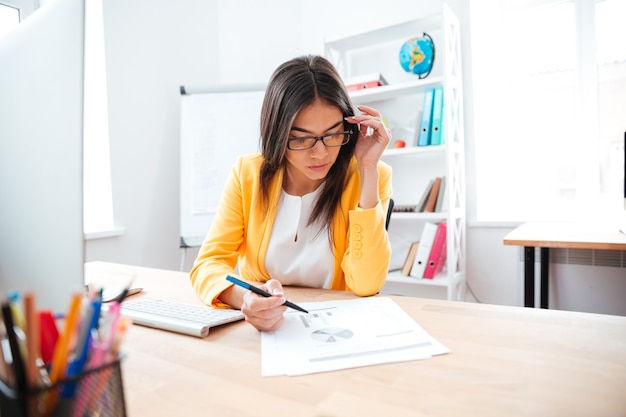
(586, 280)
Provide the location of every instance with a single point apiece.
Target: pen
(107, 334)
(19, 370)
(114, 331)
(83, 344)
(6, 375)
(259, 291)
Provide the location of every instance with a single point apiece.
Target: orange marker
(62, 349)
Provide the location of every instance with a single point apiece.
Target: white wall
(154, 46)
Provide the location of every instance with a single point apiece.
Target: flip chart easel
(217, 125)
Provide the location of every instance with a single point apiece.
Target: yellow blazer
(241, 230)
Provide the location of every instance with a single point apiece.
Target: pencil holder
(98, 392)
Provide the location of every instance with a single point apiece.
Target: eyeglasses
(307, 142)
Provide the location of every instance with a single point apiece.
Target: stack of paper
(345, 334)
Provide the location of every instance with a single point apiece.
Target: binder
(365, 81)
(438, 251)
(436, 132)
(423, 250)
(424, 133)
(363, 85)
(432, 197)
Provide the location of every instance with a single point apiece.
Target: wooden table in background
(558, 235)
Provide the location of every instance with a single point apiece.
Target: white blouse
(298, 254)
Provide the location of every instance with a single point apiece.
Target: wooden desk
(505, 361)
(558, 235)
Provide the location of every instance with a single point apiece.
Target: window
(98, 201)
(549, 86)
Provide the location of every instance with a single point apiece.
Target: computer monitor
(41, 155)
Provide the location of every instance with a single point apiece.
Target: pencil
(33, 375)
(259, 291)
(32, 339)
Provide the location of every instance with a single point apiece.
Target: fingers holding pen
(274, 287)
(265, 313)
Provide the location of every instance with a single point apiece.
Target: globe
(417, 55)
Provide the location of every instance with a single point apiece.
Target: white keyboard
(178, 317)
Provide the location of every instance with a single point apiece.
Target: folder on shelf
(431, 202)
(365, 81)
(438, 251)
(436, 136)
(410, 258)
(424, 132)
(423, 250)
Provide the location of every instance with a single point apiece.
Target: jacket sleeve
(366, 259)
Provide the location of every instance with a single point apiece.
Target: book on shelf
(436, 137)
(431, 202)
(404, 208)
(410, 258)
(439, 206)
(437, 256)
(362, 82)
(423, 250)
(423, 138)
(422, 203)
(433, 197)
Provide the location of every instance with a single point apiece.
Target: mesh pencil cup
(98, 392)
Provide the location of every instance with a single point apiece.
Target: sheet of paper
(345, 334)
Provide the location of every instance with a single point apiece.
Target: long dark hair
(293, 86)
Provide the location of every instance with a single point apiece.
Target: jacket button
(357, 254)
(356, 228)
(356, 236)
(357, 244)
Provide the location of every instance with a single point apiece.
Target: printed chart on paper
(345, 334)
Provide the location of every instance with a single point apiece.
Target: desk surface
(567, 235)
(505, 361)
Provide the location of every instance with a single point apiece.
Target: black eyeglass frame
(347, 135)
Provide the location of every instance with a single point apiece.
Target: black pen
(19, 370)
(259, 291)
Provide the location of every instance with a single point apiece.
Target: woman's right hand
(265, 313)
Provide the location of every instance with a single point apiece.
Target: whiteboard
(217, 125)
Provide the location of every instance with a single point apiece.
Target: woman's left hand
(371, 142)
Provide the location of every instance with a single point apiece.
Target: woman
(310, 208)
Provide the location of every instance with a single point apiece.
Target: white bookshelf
(400, 103)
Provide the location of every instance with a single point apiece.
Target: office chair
(389, 210)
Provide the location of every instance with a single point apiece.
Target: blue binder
(424, 133)
(436, 129)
